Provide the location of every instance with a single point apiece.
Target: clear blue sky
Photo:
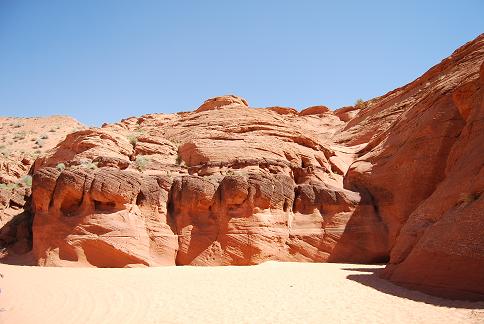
(105, 60)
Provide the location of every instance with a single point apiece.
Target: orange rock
(283, 110)
(421, 174)
(222, 102)
(347, 113)
(314, 110)
(105, 218)
(447, 227)
(398, 181)
(22, 140)
(223, 185)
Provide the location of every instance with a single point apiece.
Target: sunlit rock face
(422, 170)
(396, 179)
(226, 184)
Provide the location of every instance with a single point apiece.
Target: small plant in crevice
(179, 160)
(39, 143)
(361, 104)
(141, 162)
(86, 164)
(133, 139)
(60, 166)
(8, 186)
(20, 135)
(237, 172)
(467, 198)
(27, 181)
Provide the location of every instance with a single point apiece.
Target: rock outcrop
(422, 171)
(398, 179)
(23, 140)
(225, 185)
(222, 102)
(440, 248)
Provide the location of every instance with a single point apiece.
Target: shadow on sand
(26, 259)
(370, 278)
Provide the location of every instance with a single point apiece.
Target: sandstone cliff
(397, 179)
(422, 170)
(23, 140)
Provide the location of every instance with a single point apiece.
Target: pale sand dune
(268, 293)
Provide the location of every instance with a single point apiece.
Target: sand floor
(268, 293)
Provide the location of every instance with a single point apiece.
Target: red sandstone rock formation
(225, 185)
(23, 140)
(398, 180)
(314, 110)
(222, 102)
(440, 248)
(422, 172)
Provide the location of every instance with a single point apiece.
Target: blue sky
(106, 60)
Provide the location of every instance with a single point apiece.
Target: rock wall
(397, 179)
(227, 184)
(422, 171)
(23, 140)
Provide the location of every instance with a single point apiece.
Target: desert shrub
(27, 180)
(237, 172)
(39, 142)
(60, 166)
(361, 104)
(133, 139)
(52, 130)
(44, 136)
(141, 162)
(92, 166)
(8, 186)
(89, 165)
(19, 136)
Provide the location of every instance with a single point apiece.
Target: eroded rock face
(396, 180)
(228, 185)
(22, 141)
(422, 173)
(104, 217)
(314, 110)
(447, 227)
(222, 102)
